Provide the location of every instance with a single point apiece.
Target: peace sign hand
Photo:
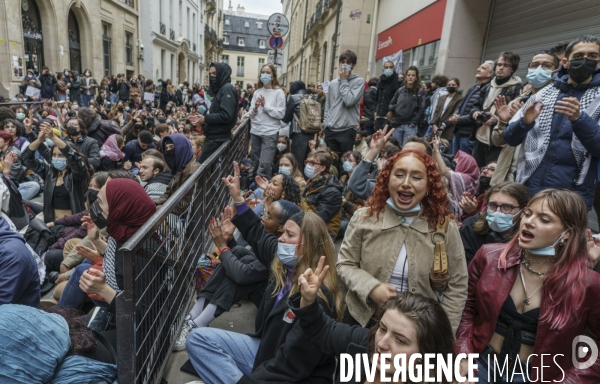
(310, 282)
(233, 184)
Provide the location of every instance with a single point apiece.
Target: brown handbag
(251, 201)
(440, 274)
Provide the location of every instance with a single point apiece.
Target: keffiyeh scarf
(538, 139)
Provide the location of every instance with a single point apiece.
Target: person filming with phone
(559, 126)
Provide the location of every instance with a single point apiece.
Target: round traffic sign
(276, 42)
(278, 25)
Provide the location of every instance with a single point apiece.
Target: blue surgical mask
(416, 208)
(499, 222)
(20, 116)
(347, 67)
(322, 143)
(310, 172)
(348, 167)
(539, 77)
(265, 78)
(547, 251)
(388, 72)
(285, 171)
(127, 109)
(49, 143)
(287, 254)
(59, 163)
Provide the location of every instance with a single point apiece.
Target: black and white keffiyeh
(538, 139)
(108, 265)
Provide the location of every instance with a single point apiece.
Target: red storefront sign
(423, 27)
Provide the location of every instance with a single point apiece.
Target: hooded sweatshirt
(342, 106)
(183, 152)
(224, 108)
(19, 278)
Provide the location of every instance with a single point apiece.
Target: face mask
(388, 72)
(92, 195)
(539, 77)
(499, 222)
(348, 167)
(20, 116)
(347, 67)
(390, 202)
(281, 147)
(97, 217)
(59, 163)
(170, 156)
(287, 254)
(451, 89)
(285, 170)
(120, 109)
(71, 130)
(212, 81)
(147, 103)
(66, 73)
(138, 126)
(265, 78)
(128, 109)
(49, 143)
(547, 251)
(201, 109)
(357, 142)
(75, 107)
(484, 183)
(322, 143)
(87, 73)
(581, 69)
(309, 171)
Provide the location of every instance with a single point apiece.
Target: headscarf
(183, 151)
(297, 86)
(464, 178)
(110, 149)
(129, 208)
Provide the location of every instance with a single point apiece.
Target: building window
(425, 57)
(261, 63)
(247, 24)
(240, 66)
(226, 40)
(172, 66)
(162, 63)
(241, 41)
(262, 43)
(225, 59)
(240, 83)
(259, 25)
(106, 40)
(128, 48)
(226, 21)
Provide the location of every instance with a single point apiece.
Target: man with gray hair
(464, 122)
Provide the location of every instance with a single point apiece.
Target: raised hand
(380, 137)
(93, 232)
(312, 144)
(8, 161)
(216, 232)
(503, 110)
(262, 182)
(468, 203)
(233, 184)
(593, 245)
(91, 254)
(310, 282)
(226, 225)
(533, 112)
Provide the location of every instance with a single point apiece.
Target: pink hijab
(464, 178)
(110, 149)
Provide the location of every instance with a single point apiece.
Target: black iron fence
(159, 266)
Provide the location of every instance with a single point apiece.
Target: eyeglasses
(546, 65)
(490, 169)
(504, 208)
(311, 163)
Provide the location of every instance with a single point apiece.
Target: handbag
(440, 274)
(251, 201)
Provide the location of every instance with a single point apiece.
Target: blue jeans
(114, 98)
(221, 356)
(29, 189)
(60, 97)
(462, 143)
(403, 132)
(73, 296)
(85, 99)
(486, 375)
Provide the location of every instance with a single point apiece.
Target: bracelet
(367, 161)
(224, 249)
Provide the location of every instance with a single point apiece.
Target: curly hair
(434, 205)
(291, 189)
(82, 337)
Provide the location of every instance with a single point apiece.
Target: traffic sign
(278, 25)
(271, 58)
(276, 42)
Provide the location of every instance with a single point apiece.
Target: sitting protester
(153, 173)
(111, 153)
(289, 166)
(96, 127)
(77, 135)
(14, 167)
(281, 187)
(197, 145)
(350, 202)
(13, 127)
(134, 149)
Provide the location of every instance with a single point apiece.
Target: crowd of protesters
(462, 217)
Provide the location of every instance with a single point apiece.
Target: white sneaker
(180, 343)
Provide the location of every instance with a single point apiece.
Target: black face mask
(357, 142)
(120, 109)
(72, 130)
(451, 89)
(170, 157)
(581, 69)
(96, 215)
(138, 126)
(92, 195)
(484, 183)
(213, 82)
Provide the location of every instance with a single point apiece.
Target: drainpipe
(140, 42)
(373, 42)
(335, 35)
(303, 38)
(487, 31)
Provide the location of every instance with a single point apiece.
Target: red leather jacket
(489, 287)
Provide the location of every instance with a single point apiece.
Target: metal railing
(159, 262)
(163, 29)
(171, 34)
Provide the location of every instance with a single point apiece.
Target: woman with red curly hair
(388, 245)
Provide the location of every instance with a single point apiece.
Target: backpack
(311, 118)
(39, 236)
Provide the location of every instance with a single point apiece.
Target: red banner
(423, 27)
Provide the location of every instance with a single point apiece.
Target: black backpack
(17, 212)
(39, 237)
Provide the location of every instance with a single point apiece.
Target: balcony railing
(163, 29)
(130, 3)
(319, 10)
(129, 54)
(213, 3)
(220, 43)
(171, 34)
(220, 14)
(194, 47)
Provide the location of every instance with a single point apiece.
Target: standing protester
(386, 89)
(407, 107)
(89, 88)
(465, 124)
(48, 82)
(321, 97)
(30, 81)
(559, 126)
(342, 106)
(77, 135)
(445, 115)
(267, 110)
(61, 87)
(74, 90)
(223, 110)
(370, 99)
(124, 87)
(438, 85)
(300, 139)
(504, 84)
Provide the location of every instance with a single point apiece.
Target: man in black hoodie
(386, 88)
(223, 110)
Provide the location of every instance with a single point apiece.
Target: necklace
(526, 301)
(529, 261)
(526, 262)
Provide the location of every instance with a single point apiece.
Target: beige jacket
(369, 253)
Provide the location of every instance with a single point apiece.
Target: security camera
(142, 47)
